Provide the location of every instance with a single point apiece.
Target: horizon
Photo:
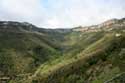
(61, 13)
(64, 27)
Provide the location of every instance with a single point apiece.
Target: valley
(92, 54)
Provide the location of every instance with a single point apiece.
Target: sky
(61, 13)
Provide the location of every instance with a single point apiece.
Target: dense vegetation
(32, 55)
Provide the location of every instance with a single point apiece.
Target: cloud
(22, 10)
(61, 13)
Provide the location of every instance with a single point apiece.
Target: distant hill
(106, 26)
(92, 54)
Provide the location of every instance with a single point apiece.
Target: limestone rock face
(106, 26)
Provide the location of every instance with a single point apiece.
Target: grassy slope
(75, 69)
(87, 57)
(23, 52)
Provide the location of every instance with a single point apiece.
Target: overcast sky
(61, 13)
